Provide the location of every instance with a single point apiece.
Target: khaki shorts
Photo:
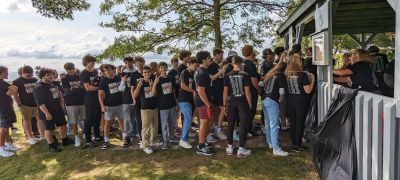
(28, 112)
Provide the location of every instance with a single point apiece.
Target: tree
(168, 25)
(60, 10)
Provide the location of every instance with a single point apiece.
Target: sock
(77, 137)
(230, 145)
(8, 144)
(2, 148)
(241, 148)
(123, 135)
(106, 139)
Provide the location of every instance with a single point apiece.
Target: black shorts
(57, 121)
(217, 100)
(7, 119)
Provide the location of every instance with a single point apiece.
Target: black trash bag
(311, 119)
(333, 142)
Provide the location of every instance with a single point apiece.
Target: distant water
(58, 64)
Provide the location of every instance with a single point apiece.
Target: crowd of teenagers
(145, 101)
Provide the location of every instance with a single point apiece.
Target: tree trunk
(217, 25)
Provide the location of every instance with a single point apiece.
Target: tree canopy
(168, 25)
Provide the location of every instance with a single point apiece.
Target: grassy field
(34, 162)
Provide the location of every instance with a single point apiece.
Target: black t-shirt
(147, 100)
(229, 68)
(181, 67)
(188, 79)
(127, 95)
(49, 95)
(165, 94)
(136, 77)
(110, 87)
(202, 79)
(362, 77)
(251, 69)
(93, 79)
(25, 90)
(295, 83)
(217, 85)
(266, 66)
(236, 81)
(6, 103)
(272, 88)
(174, 73)
(73, 90)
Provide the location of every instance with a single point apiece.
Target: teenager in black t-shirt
(185, 99)
(299, 85)
(184, 56)
(275, 83)
(110, 98)
(128, 107)
(237, 98)
(90, 80)
(250, 68)
(7, 114)
(50, 102)
(136, 77)
(164, 90)
(217, 86)
(202, 101)
(73, 93)
(149, 110)
(174, 73)
(359, 75)
(26, 103)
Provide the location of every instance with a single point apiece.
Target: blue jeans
(186, 109)
(271, 114)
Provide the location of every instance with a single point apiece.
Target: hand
(125, 78)
(222, 71)
(49, 117)
(13, 88)
(103, 109)
(140, 83)
(157, 80)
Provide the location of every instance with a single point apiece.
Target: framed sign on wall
(320, 48)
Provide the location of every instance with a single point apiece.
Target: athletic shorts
(28, 112)
(113, 112)
(76, 113)
(217, 100)
(6, 120)
(203, 112)
(57, 121)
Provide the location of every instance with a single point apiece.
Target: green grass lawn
(34, 162)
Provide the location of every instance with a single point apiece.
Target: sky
(28, 38)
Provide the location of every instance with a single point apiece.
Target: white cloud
(87, 43)
(12, 6)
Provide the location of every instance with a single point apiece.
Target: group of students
(146, 98)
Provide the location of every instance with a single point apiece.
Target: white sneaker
(77, 142)
(211, 139)
(31, 141)
(185, 145)
(4, 153)
(11, 147)
(229, 150)
(270, 146)
(140, 145)
(148, 150)
(280, 152)
(221, 135)
(242, 152)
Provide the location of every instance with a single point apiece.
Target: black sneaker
(105, 145)
(204, 151)
(127, 142)
(53, 148)
(67, 141)
(98, 139)
(89, 145)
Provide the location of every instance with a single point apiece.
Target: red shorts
(204, 113)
